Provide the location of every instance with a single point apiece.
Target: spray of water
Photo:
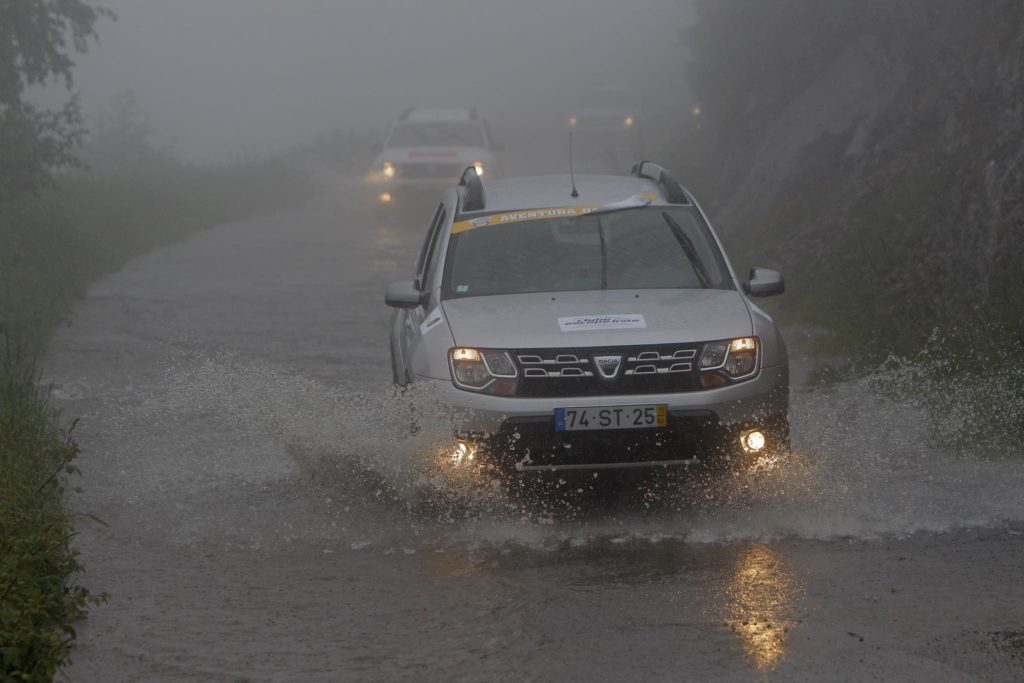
(865, 466)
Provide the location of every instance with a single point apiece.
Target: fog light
(385, 197)
(753, 441)
(462, 453)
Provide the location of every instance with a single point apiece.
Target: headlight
(388, 170)
(735, 359)
(485, 370)
(628, 121)
(479, 167)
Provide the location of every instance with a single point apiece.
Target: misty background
(235, 79)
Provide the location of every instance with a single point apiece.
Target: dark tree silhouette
(37, 41)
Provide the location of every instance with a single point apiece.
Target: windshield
(648, 248)
(437, 134)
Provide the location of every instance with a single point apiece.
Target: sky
(227, 80)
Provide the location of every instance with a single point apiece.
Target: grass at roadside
(51, 248)
(40, 599)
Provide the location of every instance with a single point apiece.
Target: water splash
(863, 467)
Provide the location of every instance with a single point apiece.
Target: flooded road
(269, 516)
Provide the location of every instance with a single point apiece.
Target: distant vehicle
(607, 128)
(426, 150)
(598, 330)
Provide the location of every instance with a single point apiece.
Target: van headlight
(478, 166)
(488, 371)
(732, 359)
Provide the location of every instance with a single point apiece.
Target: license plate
(611, 417)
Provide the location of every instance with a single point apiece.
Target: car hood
(602, 318)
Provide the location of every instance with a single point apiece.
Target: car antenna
(572, 178)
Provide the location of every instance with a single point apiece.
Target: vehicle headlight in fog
(388, 170)
(463, 453)
(485, 370)
(753, 441)
(384, 197)
(572, 120)
(734, 359)
(479, 167)
(628, 121)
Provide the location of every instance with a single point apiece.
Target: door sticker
(432, 320)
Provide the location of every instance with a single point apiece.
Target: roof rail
(674, 192)
(473, 195)
(408, 110)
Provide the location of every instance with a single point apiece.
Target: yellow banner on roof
(519, 216)
(536, 214)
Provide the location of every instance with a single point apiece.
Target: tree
(37, 41)
(121, 139)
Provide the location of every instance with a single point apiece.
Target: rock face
(874, 149)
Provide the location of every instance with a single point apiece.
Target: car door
(412, 318)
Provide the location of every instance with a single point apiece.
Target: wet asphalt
(269, 517)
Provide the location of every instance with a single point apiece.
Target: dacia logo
(608, 366)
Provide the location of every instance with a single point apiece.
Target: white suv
(590, 325)
(426, 151)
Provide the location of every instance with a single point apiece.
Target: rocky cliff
(874, 150)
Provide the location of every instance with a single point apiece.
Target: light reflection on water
(760, 597)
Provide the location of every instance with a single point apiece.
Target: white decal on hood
(431, 321)
(579, 323)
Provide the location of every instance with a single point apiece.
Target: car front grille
(431, 170)
(652, 369)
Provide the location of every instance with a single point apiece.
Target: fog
(233, 79)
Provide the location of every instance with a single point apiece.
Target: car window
(421, 259)
(650, 248)
(431, 258)
(437, 134)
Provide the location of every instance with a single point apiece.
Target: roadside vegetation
(872, 151)
(74, 206)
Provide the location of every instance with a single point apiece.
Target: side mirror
(403, 294)
(764, 282)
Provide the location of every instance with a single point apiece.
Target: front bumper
(701, 425)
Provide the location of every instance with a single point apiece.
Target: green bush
(39, 597)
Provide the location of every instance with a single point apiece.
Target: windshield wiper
(691, 252)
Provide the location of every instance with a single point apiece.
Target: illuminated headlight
(735, 359)
(485, 370)
(388, 170)
(753, 441)
(628, 121)
(478, 166)
(572, 120)
(463, 453)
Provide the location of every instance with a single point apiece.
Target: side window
(421, 260)
(435, 242)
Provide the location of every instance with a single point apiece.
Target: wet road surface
(269, 517)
